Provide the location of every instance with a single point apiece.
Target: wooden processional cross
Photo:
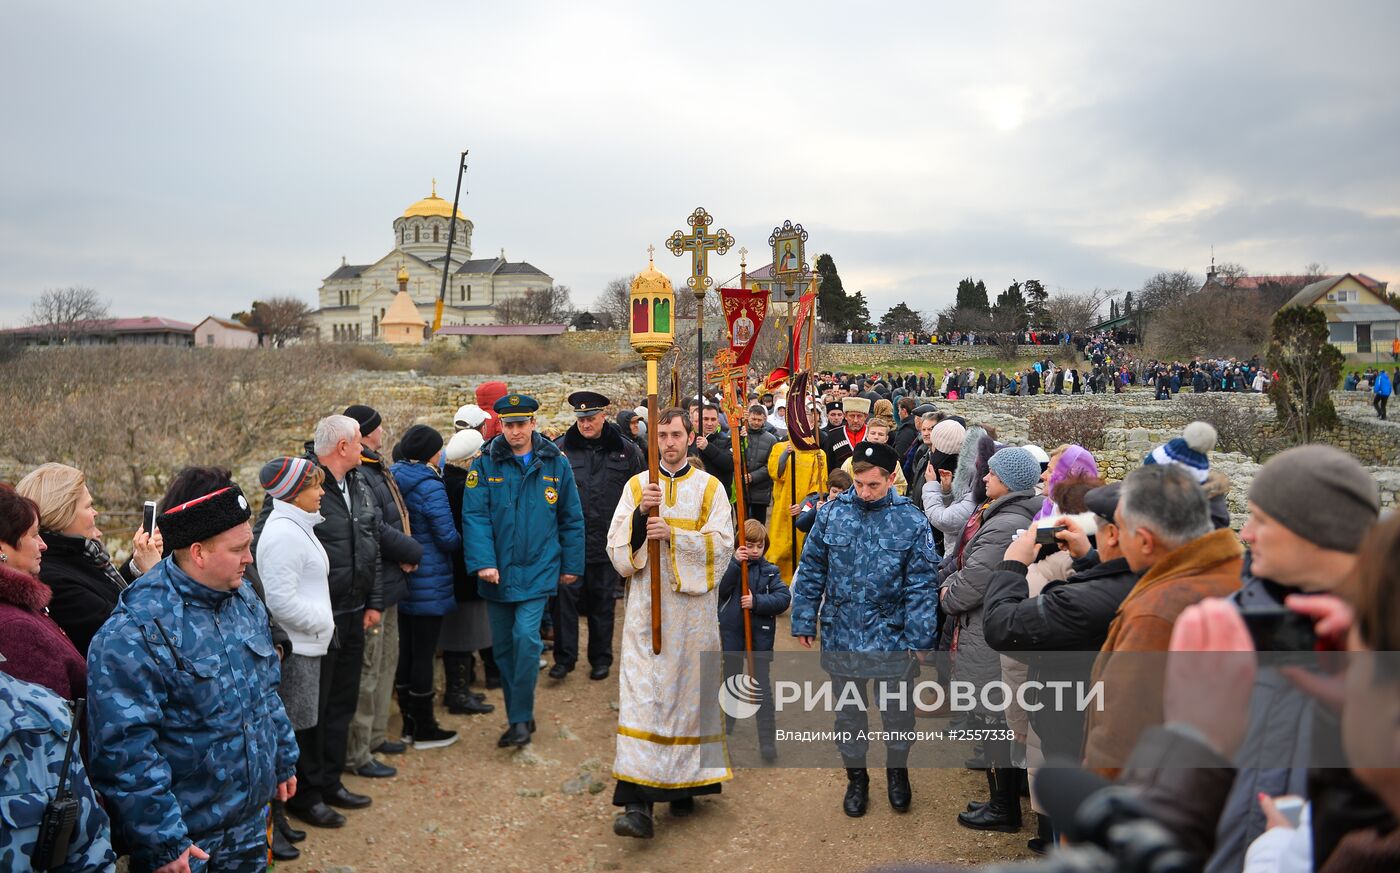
(730, 377)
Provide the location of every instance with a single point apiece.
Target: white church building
(356, 297)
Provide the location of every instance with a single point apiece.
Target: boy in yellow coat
(794, 472)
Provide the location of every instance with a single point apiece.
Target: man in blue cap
(522, 528)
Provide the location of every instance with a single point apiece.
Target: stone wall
(838, 356)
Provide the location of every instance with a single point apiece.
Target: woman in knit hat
(466, 631)
(431, 591)
(1010, 504)
(1191, 451)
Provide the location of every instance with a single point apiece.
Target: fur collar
(23, 590)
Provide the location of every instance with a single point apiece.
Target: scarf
(97, 556)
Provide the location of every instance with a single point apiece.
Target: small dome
(651, 281)
(433, 206)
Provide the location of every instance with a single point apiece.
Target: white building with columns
(355, 297)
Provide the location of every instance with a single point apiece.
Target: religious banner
(745, 310)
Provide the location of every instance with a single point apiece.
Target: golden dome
(651, 281)
(403, 273)
(433, 206)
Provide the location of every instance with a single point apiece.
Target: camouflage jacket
(189, 736)
(868, 577)
(34, 726)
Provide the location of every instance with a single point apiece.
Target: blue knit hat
(1017, 469)
(1188, 451)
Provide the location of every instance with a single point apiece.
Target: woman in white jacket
(948, 498)
(295, 570)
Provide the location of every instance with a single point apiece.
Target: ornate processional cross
(700, 242)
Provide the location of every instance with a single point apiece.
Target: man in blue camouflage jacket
(189, 738)
(868, 575)
(35, 726)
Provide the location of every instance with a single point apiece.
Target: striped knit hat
(283, 478)
(1188, 451)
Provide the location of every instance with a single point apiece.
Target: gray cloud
(186, 160)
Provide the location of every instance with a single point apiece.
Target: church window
(469, 292)
(416, 235)
(435, 233)
(404, 234)
(374, 325)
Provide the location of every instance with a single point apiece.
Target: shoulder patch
(472, 478)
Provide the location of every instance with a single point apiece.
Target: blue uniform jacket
(188, 734)
(868, 577)
(771, 598)
(525, 522)
(35, 726)
(430, 518)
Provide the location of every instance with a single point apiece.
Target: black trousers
(895, 716)
(758, 511)
(594, 596)
(418, 639)
(323, 746)
(1379, 403)
(735, 663)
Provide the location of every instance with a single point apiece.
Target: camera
(1279, 629)
(1045, 536)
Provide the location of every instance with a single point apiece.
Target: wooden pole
(740, 471)
(654, 546)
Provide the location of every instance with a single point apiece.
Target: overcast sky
(187, 158)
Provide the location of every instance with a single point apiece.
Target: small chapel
(356, 299)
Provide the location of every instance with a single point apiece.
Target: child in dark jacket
(837, 481)
(767, 599)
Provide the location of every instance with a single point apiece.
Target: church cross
(699, 242)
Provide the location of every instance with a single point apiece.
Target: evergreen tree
(972, 295)
(900, 318)
(860, 313)
(1011, 307)
(1308, 368)
(1036, 298)
(834, 304)
(1112, 309)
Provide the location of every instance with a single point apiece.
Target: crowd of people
(245, 658)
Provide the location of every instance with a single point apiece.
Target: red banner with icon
(745, 310)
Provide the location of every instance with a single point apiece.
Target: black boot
(974, 805)
(1004, 812)
(279, 819)
(900, 793)
(426, 733)
(406, 711)
(458, 698)
(857, 791)
(1044, 836)
(488, 666)
(635, 821)
(282, 848)
(470, 660)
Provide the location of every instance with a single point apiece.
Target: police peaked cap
(586, 403)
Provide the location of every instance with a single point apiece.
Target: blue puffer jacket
(868, 576)
(430, 519)
(526, 522)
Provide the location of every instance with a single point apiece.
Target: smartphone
(1279, 629)
(1045, 536)
(1291, 807)
(148, 517)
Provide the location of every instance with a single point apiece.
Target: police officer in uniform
(523, 530)
(189, 738)
(603, 459)
(868, 577)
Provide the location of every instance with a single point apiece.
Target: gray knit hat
(1320, 493)
(1017, 468)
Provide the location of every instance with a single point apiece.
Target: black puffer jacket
(1058, 634)
(350, 537)
(395, 546)
(83, 594)
(759, 447)
(601, 470)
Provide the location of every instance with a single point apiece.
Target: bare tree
(66, 311)
(613, 299)
(1228, 274)
(279, 319)
(537, 306)
(1241, 427)
(1076, 312)
(1218, 321)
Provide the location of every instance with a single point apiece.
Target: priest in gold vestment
(670, 735)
